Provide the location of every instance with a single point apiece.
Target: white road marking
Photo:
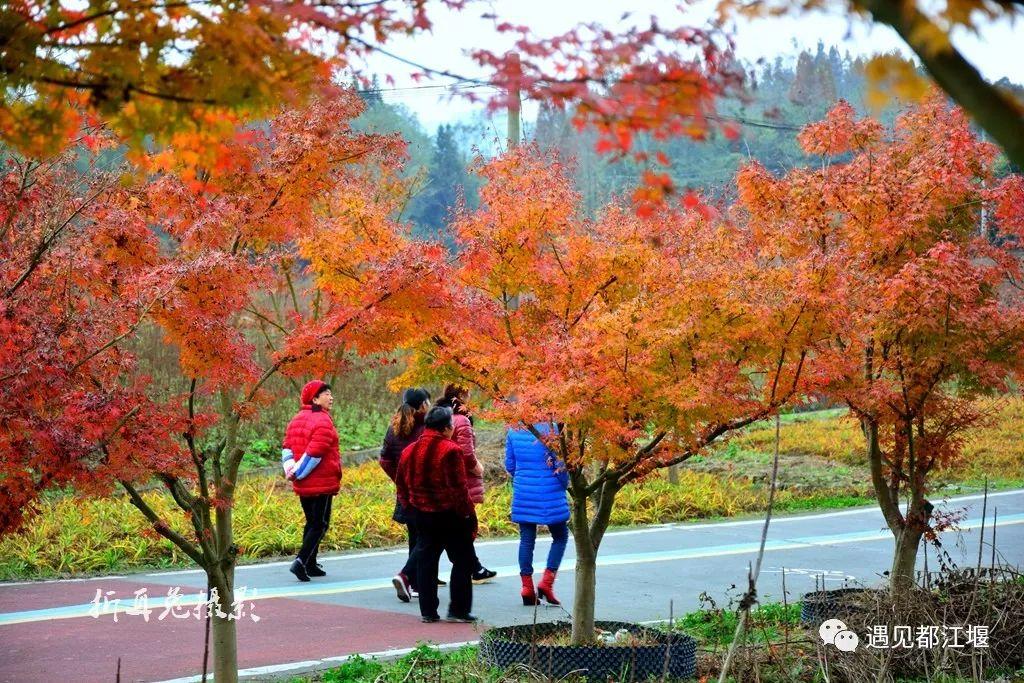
(654, 528)
(298, 667)
(307, 590)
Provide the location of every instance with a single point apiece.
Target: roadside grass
(821, 467)
(716, 627)
(74, 535)
(424, 663)
(994, 451)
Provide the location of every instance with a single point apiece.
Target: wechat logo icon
(834, 632)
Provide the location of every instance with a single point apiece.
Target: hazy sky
(999, 53)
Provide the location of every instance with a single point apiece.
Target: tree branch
(161, 526)
(198, 458)
(126, 333)
(890, 507)
(995, 111)
(603, 513)
(44, 244)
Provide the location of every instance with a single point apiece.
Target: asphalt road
(51, 630)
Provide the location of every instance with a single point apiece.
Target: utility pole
(514, 107)
(514, 102)
(984, 217)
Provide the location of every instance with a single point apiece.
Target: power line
(473, 83)
(402, 93)
(755, 124)
(454, 86)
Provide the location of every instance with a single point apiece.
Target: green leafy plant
(356, 669)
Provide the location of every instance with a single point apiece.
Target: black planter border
(823, 605)
(510, 645)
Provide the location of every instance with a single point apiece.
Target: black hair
(322, 389)
(414, 398)
(438, 418)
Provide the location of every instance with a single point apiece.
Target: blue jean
(528, 539)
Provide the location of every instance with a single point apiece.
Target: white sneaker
(402, 588)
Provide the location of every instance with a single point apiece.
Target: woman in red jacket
(312, 463)
(456, 397)
(431, 482)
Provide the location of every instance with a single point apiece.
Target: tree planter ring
(511, 645)
(821, 606)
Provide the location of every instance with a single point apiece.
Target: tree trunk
(907, 529)
(584, 595)
(673, 474)
(887, 501)
(588, 534)
(901, 577)
(994, 110)
(225, 640)
(586, 574)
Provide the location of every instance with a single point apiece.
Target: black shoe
(483, 574)
(316, 569)
(299, 570)
(442, 582)
(431, 619)
(460, 619)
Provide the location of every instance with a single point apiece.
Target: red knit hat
(312, 390)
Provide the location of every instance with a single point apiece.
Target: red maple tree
(645, 339)
(276, 264)
(182, 73)
(664, 76)
(926, 317)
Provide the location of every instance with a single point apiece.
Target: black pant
(477, 565)
(410, 568)
(452, 533)
(318, 516)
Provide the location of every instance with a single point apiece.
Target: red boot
(529, 595)
(546, 587)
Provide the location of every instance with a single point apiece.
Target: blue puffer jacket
(538, 488)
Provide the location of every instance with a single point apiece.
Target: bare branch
(161, 526)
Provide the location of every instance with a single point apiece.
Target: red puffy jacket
(431, 476)
(463, 435)
(312, 432)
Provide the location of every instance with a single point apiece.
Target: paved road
(47, 629)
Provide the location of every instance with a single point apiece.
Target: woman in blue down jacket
(539, 481)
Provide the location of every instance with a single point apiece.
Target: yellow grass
(76, 535)
(995, 450)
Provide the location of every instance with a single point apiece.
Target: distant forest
(781, 97)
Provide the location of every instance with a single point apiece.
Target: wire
(467, 83)
(454, 86)
(408, 62)
(393, 95)
(756, 124)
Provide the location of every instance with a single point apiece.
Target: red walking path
(289, 630)
(48, 634)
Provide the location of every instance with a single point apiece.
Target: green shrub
(355, 670)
